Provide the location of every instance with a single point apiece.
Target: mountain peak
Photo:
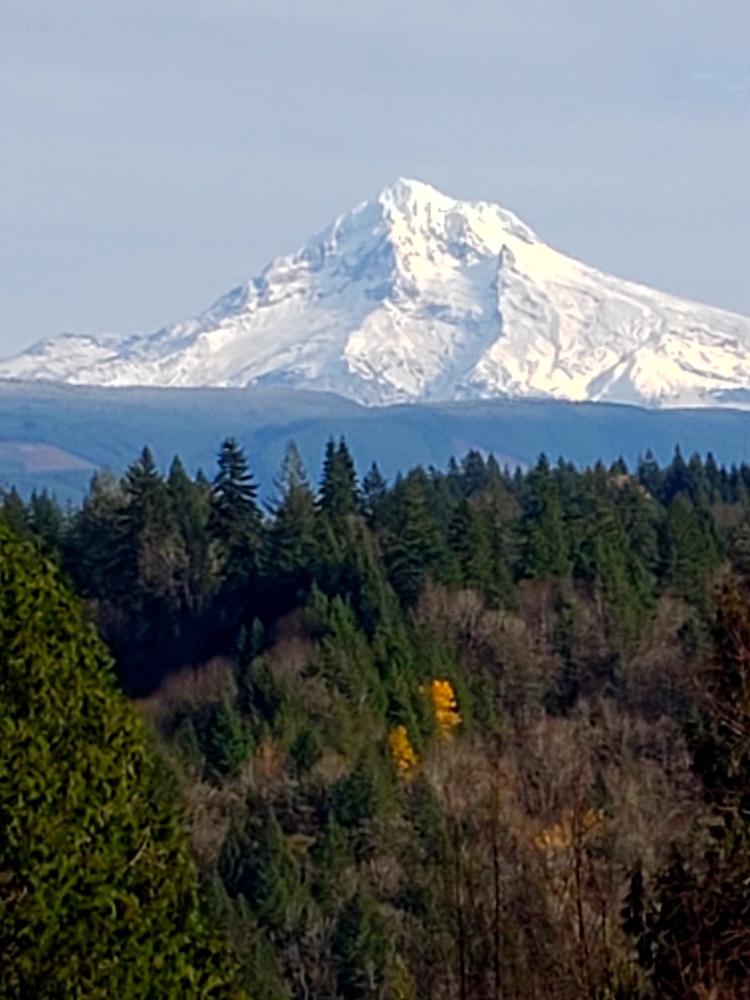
(405, 191)
(418, 296)
(421, 204)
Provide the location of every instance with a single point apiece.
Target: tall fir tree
(293, 544)
(236, 519)
(374, 492)
(339, 492)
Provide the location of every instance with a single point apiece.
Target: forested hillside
(471, 734)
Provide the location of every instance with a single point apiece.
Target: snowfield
(418, 297)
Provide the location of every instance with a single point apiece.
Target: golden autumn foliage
(444, 706)
(403, 754)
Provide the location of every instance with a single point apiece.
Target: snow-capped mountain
(416, 296)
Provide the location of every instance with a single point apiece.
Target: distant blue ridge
(109, 427)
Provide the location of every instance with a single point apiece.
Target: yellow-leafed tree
(402, 752)
(445, 706)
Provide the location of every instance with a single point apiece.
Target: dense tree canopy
(472, 733)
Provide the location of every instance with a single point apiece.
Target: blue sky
(154, 154)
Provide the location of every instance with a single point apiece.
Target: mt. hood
(416, 296)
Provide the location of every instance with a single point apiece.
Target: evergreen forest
(473, 734)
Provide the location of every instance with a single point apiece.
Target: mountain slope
(418, 297)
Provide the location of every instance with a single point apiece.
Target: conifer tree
(697, 483)
(417, 549)
(154, 559)
(362, 948)
(97, 895)
(145, 492)
(45, 519)
(339, 494)
(650, 476)
(15, 513)
(374, 492)
(692, 548)
(676, 479)
(235, 514)
(293, 542)
(470, 543)
(225, 740)
(257, 863)
(190, 504)
(607, 558)
(236, 519)
(714, 484)
(547, 548)
(497, 512)
(474, 474)
(97, 550)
